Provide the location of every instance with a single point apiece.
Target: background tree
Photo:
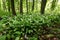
(13, 7)
(27, 5)
(43, 4)
(33, 5)
(8, 3)
(21, 6)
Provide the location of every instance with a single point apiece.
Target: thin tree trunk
(21, 6)
(33, 6)
(27, 5)
(13, 7)
(9, 5)
(43, 4)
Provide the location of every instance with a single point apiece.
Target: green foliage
(33, 38)
(33, 24)
(3, 13)
(3, 37)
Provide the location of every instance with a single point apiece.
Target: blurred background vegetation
(29, 6)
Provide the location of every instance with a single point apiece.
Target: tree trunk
(33, 6)
(8, 5)
(13, 7)
(21, 6)
(27, 5)
(43, 4)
